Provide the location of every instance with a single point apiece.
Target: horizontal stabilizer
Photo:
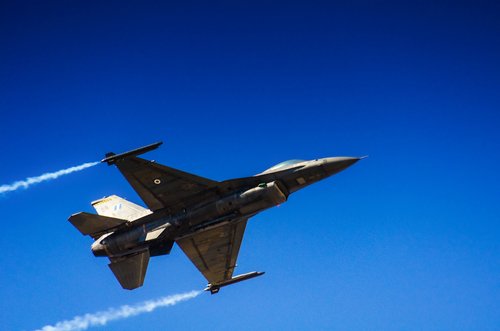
(131, 271)
(94, 225)
(111, 158)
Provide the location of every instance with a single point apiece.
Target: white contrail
(48, 176)
(103, 317)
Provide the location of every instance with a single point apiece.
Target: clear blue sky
(407, 239)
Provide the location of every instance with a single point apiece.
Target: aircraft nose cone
(333, 165)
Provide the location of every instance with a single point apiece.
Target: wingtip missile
(214, 288)
(112, 158)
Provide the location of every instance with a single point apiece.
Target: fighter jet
(206, 218)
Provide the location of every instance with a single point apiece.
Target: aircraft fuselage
(242, 199)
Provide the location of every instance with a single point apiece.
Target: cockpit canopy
(283, 165)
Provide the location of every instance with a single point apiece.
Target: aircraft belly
(251, 201)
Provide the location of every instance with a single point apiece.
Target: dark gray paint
(206, 218)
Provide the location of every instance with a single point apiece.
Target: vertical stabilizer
(114, 206)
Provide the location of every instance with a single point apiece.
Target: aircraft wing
(214, 250)
(160, 186)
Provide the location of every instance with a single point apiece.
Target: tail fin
(114, 206)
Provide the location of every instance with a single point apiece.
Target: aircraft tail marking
(114, 206)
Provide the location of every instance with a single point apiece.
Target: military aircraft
(206, 218)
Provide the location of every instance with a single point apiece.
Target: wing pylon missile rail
(111, 157)
(214, 288)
